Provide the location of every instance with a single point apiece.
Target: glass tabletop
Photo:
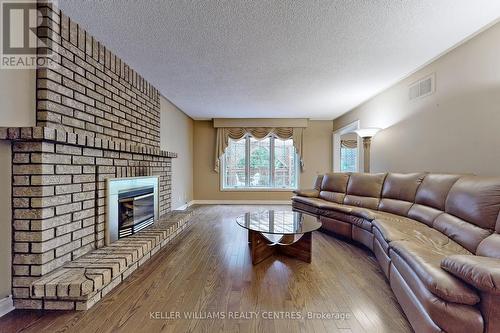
(279, 222)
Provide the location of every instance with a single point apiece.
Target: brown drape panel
(237, 133)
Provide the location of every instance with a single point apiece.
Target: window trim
(247, 188)
(336, 137)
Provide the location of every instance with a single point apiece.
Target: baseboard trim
(240, 202)
(185, 206)
(6, 305)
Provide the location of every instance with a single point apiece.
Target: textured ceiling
(262, 58)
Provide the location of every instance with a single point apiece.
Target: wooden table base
(262, 248)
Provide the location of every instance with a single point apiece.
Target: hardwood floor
(209, 271)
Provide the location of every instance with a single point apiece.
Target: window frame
(247, 188)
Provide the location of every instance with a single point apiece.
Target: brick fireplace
(96, 119)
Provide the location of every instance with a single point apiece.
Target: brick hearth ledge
(81, 283)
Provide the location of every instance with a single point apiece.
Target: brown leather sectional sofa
(436, 237)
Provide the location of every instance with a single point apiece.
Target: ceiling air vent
(422, 88)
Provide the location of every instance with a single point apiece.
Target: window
(270, 163)
(348, 159)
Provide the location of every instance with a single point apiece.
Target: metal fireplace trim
(115, 186)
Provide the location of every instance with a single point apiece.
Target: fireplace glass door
(135, 210)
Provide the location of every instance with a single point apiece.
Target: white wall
(177, 136)
(17, 108)
(455, 129)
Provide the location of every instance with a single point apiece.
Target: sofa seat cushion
(323, 204)
(320, 206)
(369, 214)
(328, 205)
(397, 228)
(344, 213)
(426, 263)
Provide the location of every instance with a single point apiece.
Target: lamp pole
(367, 141)
(367, 134)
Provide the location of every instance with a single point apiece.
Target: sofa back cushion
(475, 200)
(424, 214)
(471, 212)
(333, 187)
(431, 196)
(335, 182)
(434, 190)
(317, 182)
(332, 196)
(398, 192)
(364, 189)
(490, 246)
(366, 184)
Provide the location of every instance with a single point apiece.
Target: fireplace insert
(136, 210)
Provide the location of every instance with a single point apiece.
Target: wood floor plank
(209, 270)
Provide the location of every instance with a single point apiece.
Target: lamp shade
(367, 132)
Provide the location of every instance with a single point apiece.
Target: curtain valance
(237, 133)
(349, 143)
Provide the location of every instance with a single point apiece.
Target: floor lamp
(367, 134)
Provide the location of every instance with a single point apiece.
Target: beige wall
(17, 108)
(317, 151)
(17, 97)
(5, 220)
(176, 134)
(317, 159)
(453, 130)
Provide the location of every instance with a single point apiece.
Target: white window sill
(256, 189)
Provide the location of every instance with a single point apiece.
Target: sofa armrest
(481, 272)
(364, 213)
(307, 193)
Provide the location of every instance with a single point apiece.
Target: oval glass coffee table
(285, 232)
